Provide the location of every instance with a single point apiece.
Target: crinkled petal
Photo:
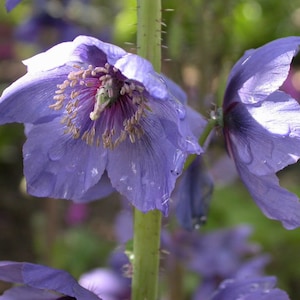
(261, 71)
(60, 166)
(193, 194)
(150, 166)
(274, 201)
(42, 277)
(144, 172)
(27, 100)
(89, 49)
(250, 289)
(83, 50)
(266, 136)
(139, 69)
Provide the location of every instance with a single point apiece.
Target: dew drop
(178, 162)
(181, 113)
(94, 172)
(180, 109)
(57, 152)
(123, 178)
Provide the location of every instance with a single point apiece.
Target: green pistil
(106, 96)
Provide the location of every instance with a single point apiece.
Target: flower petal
(83, 50)
(42, 277)
(261, 71)
(150, 166)
(27, 100)
(62, 167)
(143, 173)
(26, 292)
(261, 288)
(194, 192)
(139, 69)
(266, 136)
(275, 202)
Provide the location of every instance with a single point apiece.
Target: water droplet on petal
(181, 113)
(180, 109)
(178, 162)
(56, 152)
(94, 172)
(123, 178)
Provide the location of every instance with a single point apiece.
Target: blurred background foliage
(201, 41)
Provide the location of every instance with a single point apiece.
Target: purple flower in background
(91, 108)
(11, 4)
(193, 194)
(40, 282)
(262, 288)
(262, 126)
(107, 284)
(45, 30)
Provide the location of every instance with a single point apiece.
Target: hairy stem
(147, 226)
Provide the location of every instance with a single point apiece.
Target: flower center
(100, 107)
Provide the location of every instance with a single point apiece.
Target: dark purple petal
(83, 50)
(193, 195)
(62, 167)
(261, 71)
(249, 289)
(42, 277)
(11, 4)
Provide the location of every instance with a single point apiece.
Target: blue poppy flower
(262, 126)
(91, 108)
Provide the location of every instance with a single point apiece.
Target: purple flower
(91, 108)
(193, 194)
(36, 27)
(11, 4)
(106, 283)
(262, 126)
(261, 288)
(41, 282)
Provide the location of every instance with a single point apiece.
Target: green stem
(147, 227)
(149, 31)
(146, 244)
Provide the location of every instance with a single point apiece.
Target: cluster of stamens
(109, 91)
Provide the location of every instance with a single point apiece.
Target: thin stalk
(147, 226)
